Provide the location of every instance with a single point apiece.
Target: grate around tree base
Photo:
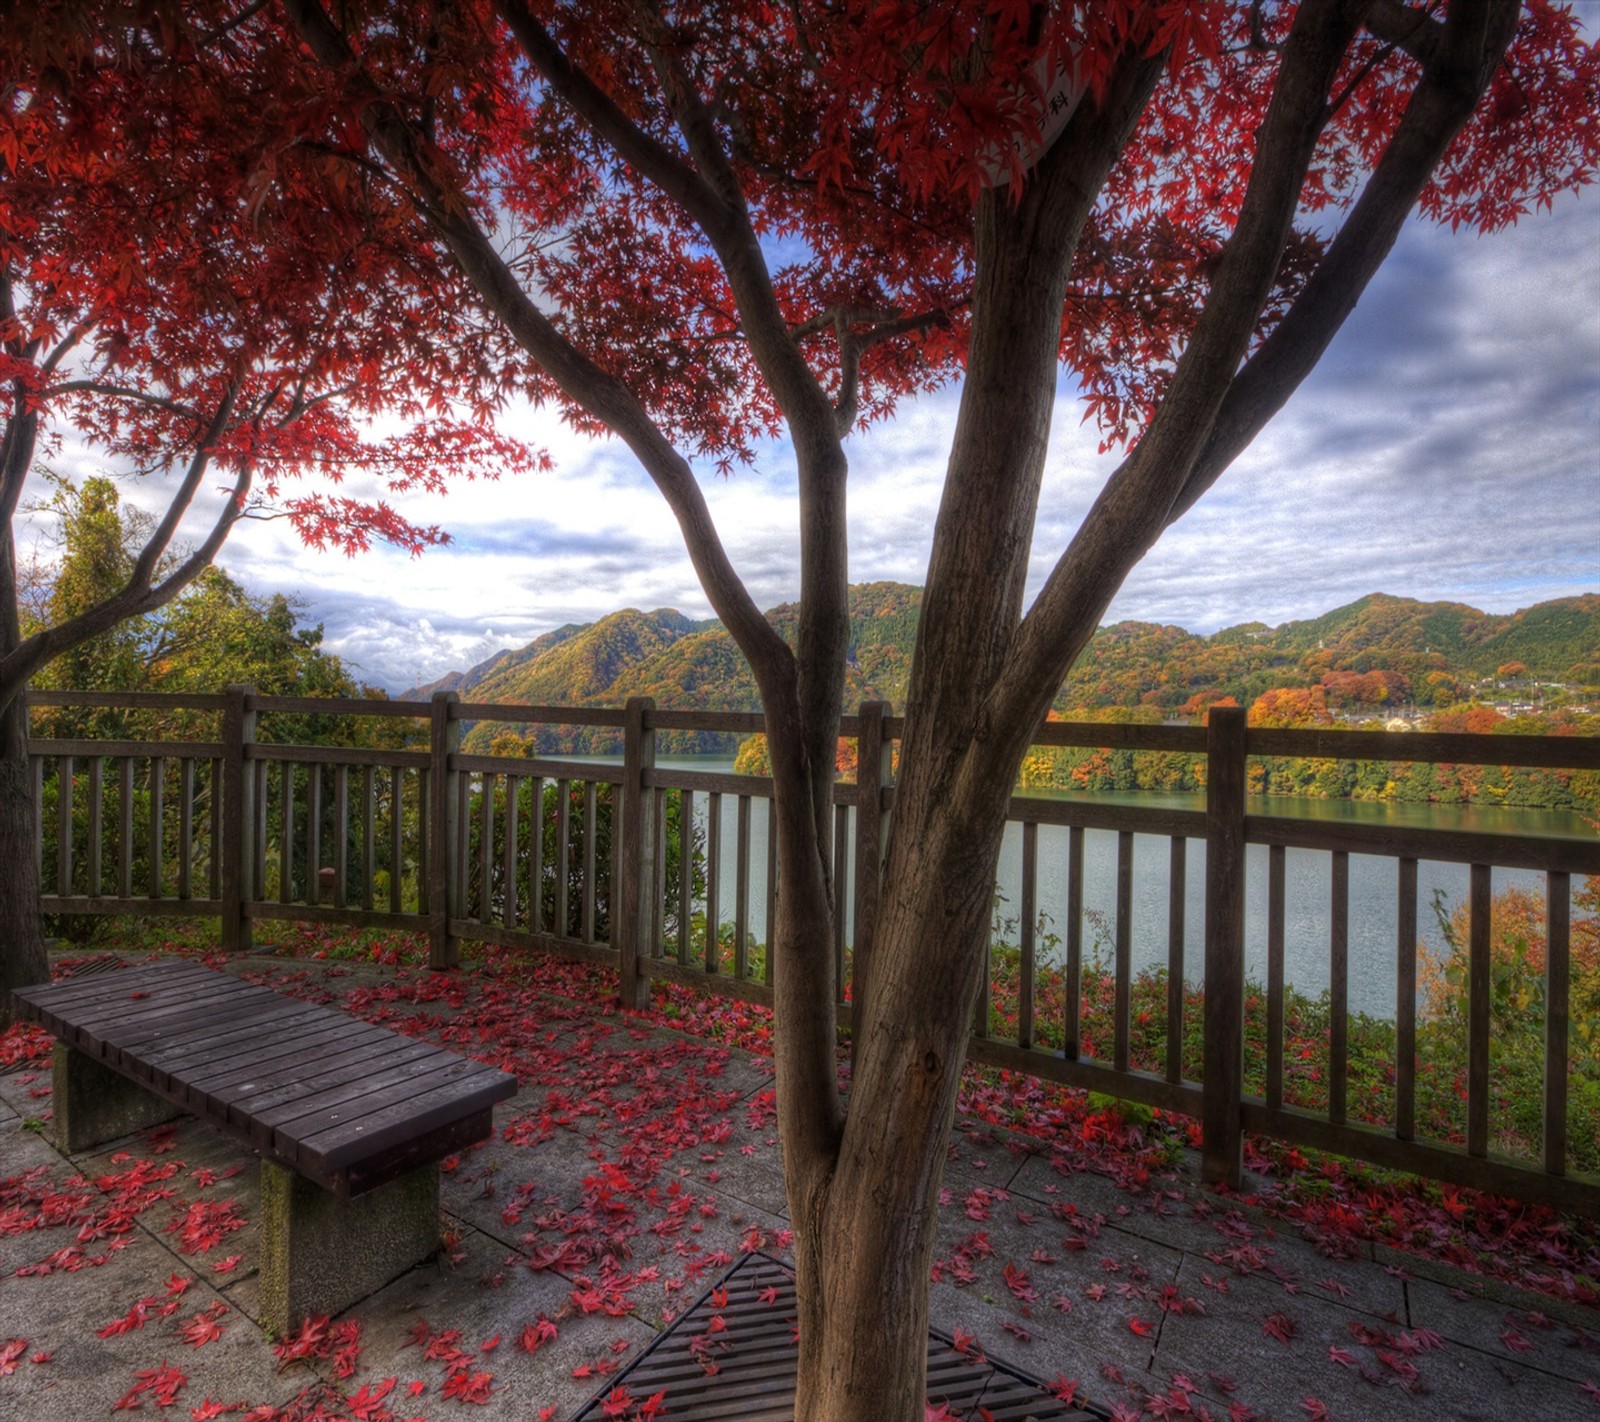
(732, 1358)
(85, 967)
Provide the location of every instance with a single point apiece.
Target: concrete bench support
(94, 1104)
(321, 1253)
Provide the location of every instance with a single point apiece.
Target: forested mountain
(1377, 652)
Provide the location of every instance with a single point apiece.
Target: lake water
(1373, 883)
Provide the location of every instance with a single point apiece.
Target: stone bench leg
(93, 1104)
(320, 1253)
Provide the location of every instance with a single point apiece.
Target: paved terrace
(632, 1169)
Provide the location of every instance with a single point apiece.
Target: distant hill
(1432, 653)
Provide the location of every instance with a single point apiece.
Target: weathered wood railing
(578, 858)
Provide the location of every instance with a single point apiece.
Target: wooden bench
(350, 1120)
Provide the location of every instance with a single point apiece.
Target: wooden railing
(463, 847)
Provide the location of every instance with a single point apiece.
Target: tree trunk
(23, 960)
(22, 957)
(864, 1249)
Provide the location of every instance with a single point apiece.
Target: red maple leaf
(1279, 1326)
(468, 1386)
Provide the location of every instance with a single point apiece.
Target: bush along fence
(1486, 1075)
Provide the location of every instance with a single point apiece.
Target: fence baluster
(1479, 970)
(591, 833)
(486, 819)
(216, 831)
(685, 871)
(657, 940)
(185, 826)
(841, 896)
(258, 857)
(96, 823)
(563, 923)
(741, 894)
(771, 893)
(508, 873)
(1557, 991)
(1276, 895)
(426, 867)
(1072, 1027)
(314, 833)
(713, 879)
(286, 835)
(1339, 989)
(1177, 875)
(1026, 934)
(36, 776)
(1405, 1002)
(64, 825)
(369, 820)
(158, 791)
(341, 833)
(461, 883)
(1124, 996)
(124, 827)
(397, 839)
(536, 858)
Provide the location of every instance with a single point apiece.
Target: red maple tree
(179, 303)
(702, 224)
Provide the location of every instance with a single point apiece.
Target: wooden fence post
(238, 848)
(1222, 1134)
(633, 914)
(444, 741)
(874, 770)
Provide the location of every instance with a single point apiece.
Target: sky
(1447, 447)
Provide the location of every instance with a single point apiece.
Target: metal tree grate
(83, 967)
(742, 1369)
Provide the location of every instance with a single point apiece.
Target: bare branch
(128, 393)
(139, 594)
(222, 31)
(144, 566)
(601, 394)
(654, 160)
(1441, 103)
(65, 346)
(849, 373)
(1134, 506)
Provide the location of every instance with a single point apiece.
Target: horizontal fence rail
(668, 873)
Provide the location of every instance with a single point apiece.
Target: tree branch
(139, 594)
(654, 160)
(1132, 509)
(844, 414)
(1440, 105)
(596, 391)
(124, 392)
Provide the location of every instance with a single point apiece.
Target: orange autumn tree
(703, 225)
(177, 307)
